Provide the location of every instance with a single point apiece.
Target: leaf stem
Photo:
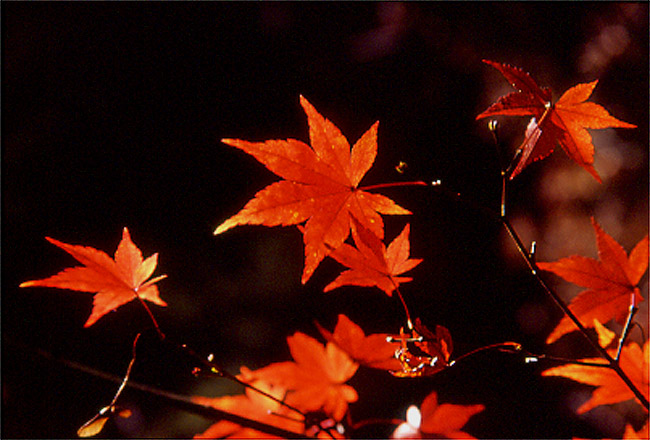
(161, 335)
(393, 184)
(503, 346)
(406, 309)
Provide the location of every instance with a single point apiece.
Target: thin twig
(215, 369)
(532, 357)
(211, 366)
(94, 425)
(177, 400)
(627, 327)
(534, 270)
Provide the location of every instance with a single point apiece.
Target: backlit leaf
(564, 122)
(115, 282)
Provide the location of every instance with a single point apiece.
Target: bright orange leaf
(564, 122)
(371, 263)
(611, 388)
(631, 434)
(114, 282)
(321, 187)
(446, 420)
(315, 380)
(372, 351)
(251, 405)
(611, 281)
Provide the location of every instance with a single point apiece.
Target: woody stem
(211, 366)
(534, 270)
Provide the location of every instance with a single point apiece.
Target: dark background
(112, 115)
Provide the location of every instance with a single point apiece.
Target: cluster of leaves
(321, 194)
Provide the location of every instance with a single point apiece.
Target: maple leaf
(611, 388)
(321, 187)
(372, 351)
(251, 405)
(315, 380)
(114, 282)
(371, 263)
(611, 281)
(564, 122)
(631, 434)
(436, 420)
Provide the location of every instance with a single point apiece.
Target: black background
(112, 115)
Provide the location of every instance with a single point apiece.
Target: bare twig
(94, 426)
(180, 401)
(627, 327)
(208, 365)
(534, 270)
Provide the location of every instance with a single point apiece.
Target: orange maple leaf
(564, 122)
(611, 388)
(321, 187)
(436, 420)
(631, 434)
(372, 351)
(251, 405)
(611, 281)
(114, 282)
(371, 263)
(315, 380)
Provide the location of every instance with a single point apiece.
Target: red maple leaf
(437, 420)
(423, 352)
(611, 281)
(321, 187)
(564, 122)
(372, 351)
(611, 388)
(315, 380)
(114, 282)
(371, 263)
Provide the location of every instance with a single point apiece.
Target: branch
(534, 270)
(94, 426)
(209, 366)
(529, 259)
(177, 400)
